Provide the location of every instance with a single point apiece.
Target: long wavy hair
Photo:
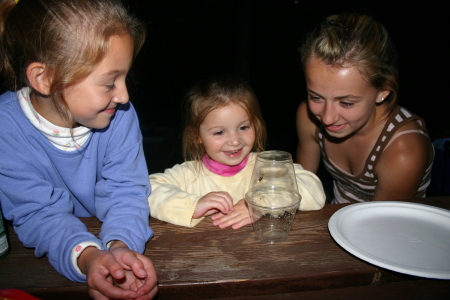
(70, 37)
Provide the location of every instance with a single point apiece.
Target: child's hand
(236, 219)
(213, 202)
(140, 274)
(119, 274)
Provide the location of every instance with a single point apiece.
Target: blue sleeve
(39, 199)
(123, 185)
(42, 213)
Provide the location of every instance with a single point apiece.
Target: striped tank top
(350, 188)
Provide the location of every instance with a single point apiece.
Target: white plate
(404, 237)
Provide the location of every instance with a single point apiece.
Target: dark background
(191, 39)
(258, 39)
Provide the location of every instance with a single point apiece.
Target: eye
(313, 98)
(217, 132)
(346, 104)
(244, 127)
(110, 87)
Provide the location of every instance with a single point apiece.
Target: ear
(39, 78)
(383, 94)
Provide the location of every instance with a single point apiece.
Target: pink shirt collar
(221, 169)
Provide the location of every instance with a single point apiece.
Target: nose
(121, 95)
(329, 115)
(234, 139)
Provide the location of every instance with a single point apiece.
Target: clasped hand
(119, 273)
(224, 213)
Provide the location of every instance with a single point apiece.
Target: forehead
(119, 56)
(321, 76)
(230, 112)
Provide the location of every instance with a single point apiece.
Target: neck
(221, 169)
(376, 122)
(45, 107)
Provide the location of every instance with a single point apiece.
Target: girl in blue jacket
(70, 142)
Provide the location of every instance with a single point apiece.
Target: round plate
(404, 237)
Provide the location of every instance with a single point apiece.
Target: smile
(233, 153)
(109, 111)
(335, 128)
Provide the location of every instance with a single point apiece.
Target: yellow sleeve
(310, 188)
(170, 199)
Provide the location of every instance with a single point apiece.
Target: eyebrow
(113, 73)
(350, 96)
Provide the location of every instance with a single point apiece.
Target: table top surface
(205, 261)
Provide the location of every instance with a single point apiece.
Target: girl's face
(227, 134)
(341, 98)
(93, 100)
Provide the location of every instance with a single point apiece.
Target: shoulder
(306, 122)
(8, 103)
(302, 111)
(409, 151)
(13, 122)
(186, 169)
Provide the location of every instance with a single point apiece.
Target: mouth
(109, 110)
(335, 128)
(233, 153)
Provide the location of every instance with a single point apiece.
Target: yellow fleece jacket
(175, 192)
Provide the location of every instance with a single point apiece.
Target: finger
(225, 199)
(223, 222)
(150, 295)
(229, 220)
(116, 270)
(150, 284)
(204, 208)
(211, 212)
(148, 290)
(241, 223)
(104, 289)
(133, 261)
(217, 216)
(229, 202)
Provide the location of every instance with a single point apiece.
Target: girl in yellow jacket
(223, 132)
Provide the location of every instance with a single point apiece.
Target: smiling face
(93, 100)
(227, 134)
(341, 98)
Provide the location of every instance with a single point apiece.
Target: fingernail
(142, 273)
(120, 274)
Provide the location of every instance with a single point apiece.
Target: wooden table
(206, 262)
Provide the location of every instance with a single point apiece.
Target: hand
(213, 202)
(118, 274)
(236, 219)
(140, 274)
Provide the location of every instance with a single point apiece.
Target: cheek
(210, 145)
(251, 137)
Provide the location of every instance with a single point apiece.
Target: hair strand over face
(69, 37)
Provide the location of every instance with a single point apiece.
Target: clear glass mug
(273, 197)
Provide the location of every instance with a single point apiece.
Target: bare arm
(402, 167)
(308, 151)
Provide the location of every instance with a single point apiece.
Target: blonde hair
(213, 93)
(70, 37)
(356, 39)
